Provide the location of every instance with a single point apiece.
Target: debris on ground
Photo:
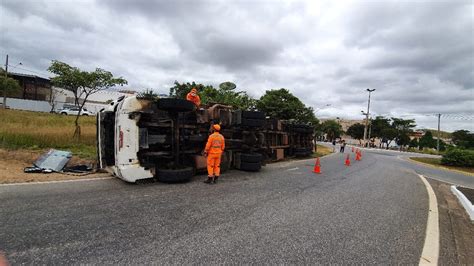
(13, 163)
(52, 161)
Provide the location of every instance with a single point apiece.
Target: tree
(225, 94)
(403, 127)
(55, 93)
(332, 129)
(282, 104)
(378, 125)
(67, 77)
(8, 85)
(414, 143)
(148, 94)
(356, 131)
(427, 141)
(179, 90)
(463, 139)
(82, 84)
(388, 135)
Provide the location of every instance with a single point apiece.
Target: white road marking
(292, 169)
(430, 253)
(59, 181)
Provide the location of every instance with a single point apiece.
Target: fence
(43, 106)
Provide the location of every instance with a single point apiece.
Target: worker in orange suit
(194, 97)
(214, 148)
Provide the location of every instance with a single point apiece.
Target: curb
(464, 202)
(56, 181)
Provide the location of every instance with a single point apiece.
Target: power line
(24, 69)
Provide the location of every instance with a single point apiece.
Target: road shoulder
(456, 229)
(439, 167)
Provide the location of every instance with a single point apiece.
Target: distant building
(33, 87)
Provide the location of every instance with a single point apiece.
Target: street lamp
(367, 117)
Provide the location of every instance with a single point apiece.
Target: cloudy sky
(418, 55)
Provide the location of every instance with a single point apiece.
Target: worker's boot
(215, 179)
(209, 180)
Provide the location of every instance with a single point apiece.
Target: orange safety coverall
(194, 98)
(214, 148)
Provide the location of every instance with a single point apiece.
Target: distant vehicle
(74, 111)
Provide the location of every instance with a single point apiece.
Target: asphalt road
(373, 212)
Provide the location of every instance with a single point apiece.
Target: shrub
(458, 157)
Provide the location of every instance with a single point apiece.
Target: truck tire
(177, 105)
(252, 122)
(251, 167)
(251, 157)
(253, 115)
(174, 176)
(225, 166)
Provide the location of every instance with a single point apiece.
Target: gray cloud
(418, 55)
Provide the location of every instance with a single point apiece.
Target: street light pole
(367, 117)
(437, 141)
(5, 87)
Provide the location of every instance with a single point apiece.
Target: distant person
(343, 146)
(214, 148)
(333, 145)
(192, 96)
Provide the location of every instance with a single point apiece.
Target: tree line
(277, 103)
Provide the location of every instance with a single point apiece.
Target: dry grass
(13, 163)
(322, 151)
(37, 131)
(437, 162)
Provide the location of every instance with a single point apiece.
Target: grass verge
(322, 151)
(437, 162)
(25, 130)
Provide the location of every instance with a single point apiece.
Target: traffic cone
(360, 155)
(348, 161)
(357, 156)
(317, 167)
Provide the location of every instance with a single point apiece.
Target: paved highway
(374, 211)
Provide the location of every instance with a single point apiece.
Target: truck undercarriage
(164, 139)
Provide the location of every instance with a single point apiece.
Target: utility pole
(5, 87)
(367, 117)
(370, 129)
(437, 142)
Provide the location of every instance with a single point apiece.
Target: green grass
(437, 162)
(38, 131)
(322, 151)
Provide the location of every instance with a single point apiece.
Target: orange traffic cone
(360, 155)
(357, 156)
(317, 167)
(348, 161)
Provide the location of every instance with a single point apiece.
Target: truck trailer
(140, 138)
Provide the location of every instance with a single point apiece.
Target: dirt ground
(12, 164)
(456, 228)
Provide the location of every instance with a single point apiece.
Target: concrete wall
(43, 106)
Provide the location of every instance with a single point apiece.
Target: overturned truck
(164, 139)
